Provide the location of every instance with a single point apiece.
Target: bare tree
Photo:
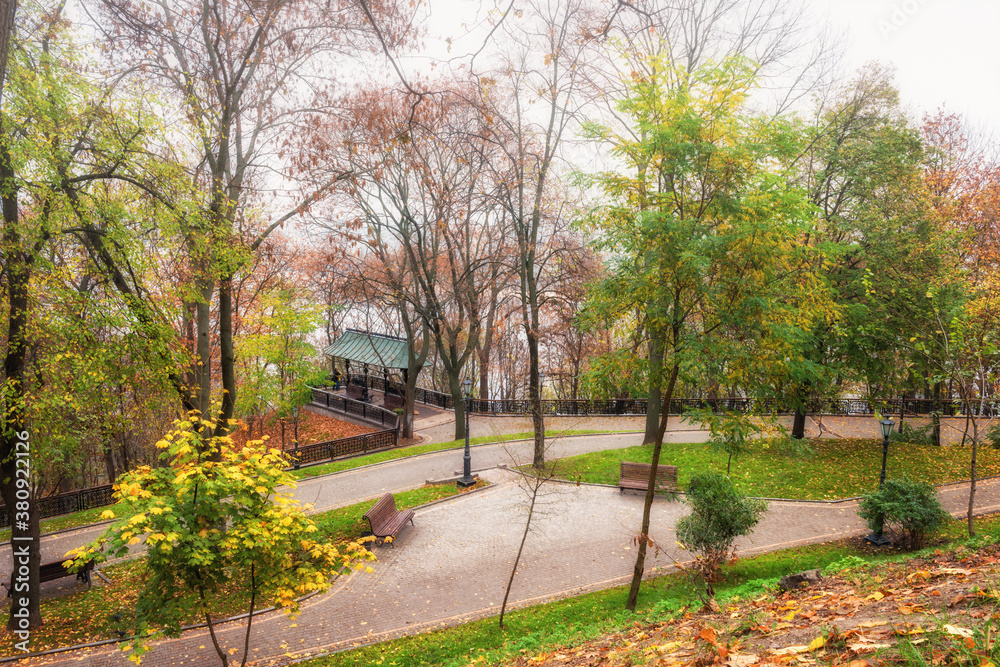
(543, 64)
(243, 77)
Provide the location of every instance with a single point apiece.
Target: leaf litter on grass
(944, 606)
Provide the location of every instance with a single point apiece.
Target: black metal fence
(637, 406)
(358, 444)
(367, 412)
(67, 503)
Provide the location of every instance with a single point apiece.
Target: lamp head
(466, 388)
(886, 425)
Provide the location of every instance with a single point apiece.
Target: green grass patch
(832, 469)
(572, 621)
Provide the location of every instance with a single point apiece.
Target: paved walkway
(452, 565)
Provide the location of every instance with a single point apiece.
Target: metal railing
(678, 406)
(349, 406)
(67, 503)
(357, 444)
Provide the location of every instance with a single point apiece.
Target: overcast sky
(945, 51)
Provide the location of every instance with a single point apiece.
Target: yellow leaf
(819, 642)
(790, 616)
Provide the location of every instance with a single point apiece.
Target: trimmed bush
(909, 509)
(719, 514)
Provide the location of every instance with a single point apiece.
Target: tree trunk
(936, 415)
(227, 357)
(203, 350)
(15, 437)
(972, 471)
(535, 398)
(799, 423)
(640, 561)
(455, 386)
(653, 404)
(799, 420)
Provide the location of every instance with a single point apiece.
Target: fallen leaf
(955, 630)
(790, 650)
(817, 643)
(907, 609)
(877, 595)
(871, 624)
(956, 600)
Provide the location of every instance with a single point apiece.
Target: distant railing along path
(637, 406)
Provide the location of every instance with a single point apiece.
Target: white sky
(944, 51)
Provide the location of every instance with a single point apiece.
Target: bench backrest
(666, 475)
(383, 510)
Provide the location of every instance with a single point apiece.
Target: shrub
(914, 435)
(719, 514)
(908, 508)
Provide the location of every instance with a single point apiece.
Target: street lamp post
(466, 479)
(877, 538)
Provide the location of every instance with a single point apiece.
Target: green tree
(279, 360)
(872, 233)
(702, 224)
(63, 143)
(210, 513)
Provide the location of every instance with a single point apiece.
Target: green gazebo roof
(370, 348)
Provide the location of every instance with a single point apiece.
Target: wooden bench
(53, 571)
(385, 520)
(355, 391)
(635, 476)
(393, 401)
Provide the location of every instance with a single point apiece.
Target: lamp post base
(878, 540)
(466, 481)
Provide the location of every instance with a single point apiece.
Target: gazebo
(370, 350)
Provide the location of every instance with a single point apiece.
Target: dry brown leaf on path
(907, 609)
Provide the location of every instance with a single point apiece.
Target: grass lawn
(87, 615)
(571, 621)
(833, 469)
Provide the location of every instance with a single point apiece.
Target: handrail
(678, 406)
